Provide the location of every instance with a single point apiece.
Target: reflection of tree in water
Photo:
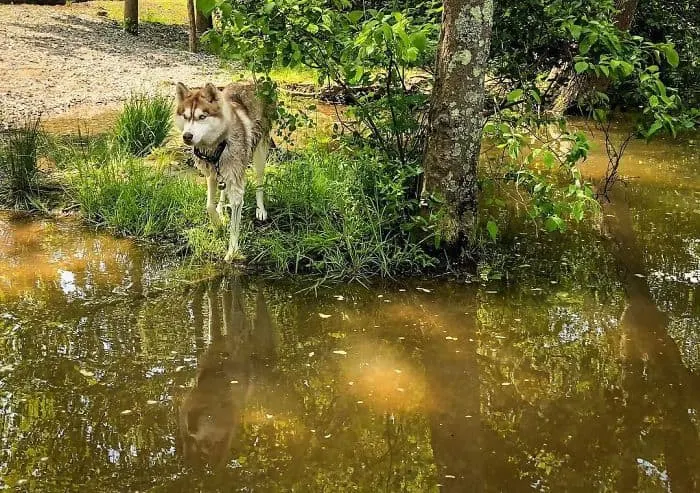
(660, 388)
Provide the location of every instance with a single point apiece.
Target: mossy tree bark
(456, 120)
(131, 16)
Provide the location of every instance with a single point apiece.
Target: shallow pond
(581, 374)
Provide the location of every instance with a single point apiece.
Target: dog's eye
(203, 116)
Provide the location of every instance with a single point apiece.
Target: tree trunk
(456, 121)
(581, 83)
(204, 22)
(193, 26)
(131, 16)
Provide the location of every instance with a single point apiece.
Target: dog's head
(200, 115)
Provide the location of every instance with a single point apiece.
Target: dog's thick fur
(208, 116)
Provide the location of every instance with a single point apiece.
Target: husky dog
(228, 129)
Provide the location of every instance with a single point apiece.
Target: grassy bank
(322, 220)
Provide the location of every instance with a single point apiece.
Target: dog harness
(213, 160)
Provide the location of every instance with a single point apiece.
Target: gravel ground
(57, 59)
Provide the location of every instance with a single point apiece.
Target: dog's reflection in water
(210, 413)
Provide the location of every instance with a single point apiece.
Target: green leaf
(205, 6)
(514, 95)
(580, 67)
(419, 40)
(355, 16)
(492, 228)
(671, 56)
(554, 223)
(312, 28)
(655, 127)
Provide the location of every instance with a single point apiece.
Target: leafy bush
(19, 172)
(144, 123)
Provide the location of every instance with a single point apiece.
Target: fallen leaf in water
(234, 381)
(451, 338)
(323, 315)
(127, 411)
(86, 373)
(311, 354)
(450, 476)
(269, 416)
(400, 389)
(397, 370)
(151, 401)
(424, 290)
(340, 351)
(339, 297)
(642, 276)
(179, 368)
(327, 436)
(506, 384)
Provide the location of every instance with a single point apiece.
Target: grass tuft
(144, 123)
(19, 170)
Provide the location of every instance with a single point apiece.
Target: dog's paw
(214, 217)
(234, 256)
(261, 214)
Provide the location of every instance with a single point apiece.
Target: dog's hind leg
(259, 160)
(211, 198)
(235, 197)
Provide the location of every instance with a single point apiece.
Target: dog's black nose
(187, 137)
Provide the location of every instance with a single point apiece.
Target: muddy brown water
(580, 374)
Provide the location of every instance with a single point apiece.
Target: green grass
(134, 198)
(144, 123)
(19, 170)
(157, 11)
(322, 220)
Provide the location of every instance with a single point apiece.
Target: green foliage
(534, 164)
(19, 171)
(144, 123)
(677, 22)
(350, 48)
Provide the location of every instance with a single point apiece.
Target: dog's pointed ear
(210, 92)
(181, 91)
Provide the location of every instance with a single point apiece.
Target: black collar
(214, 157)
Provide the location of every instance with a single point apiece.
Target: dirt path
(59, 59)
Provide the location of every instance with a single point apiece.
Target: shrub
(144, 123)
(19, 172)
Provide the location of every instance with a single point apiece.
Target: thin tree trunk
(579, 84)
(193, 26)
(131, 16)
(454, 137)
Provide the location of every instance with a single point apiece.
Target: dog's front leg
(235, 197)
(211, 199)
